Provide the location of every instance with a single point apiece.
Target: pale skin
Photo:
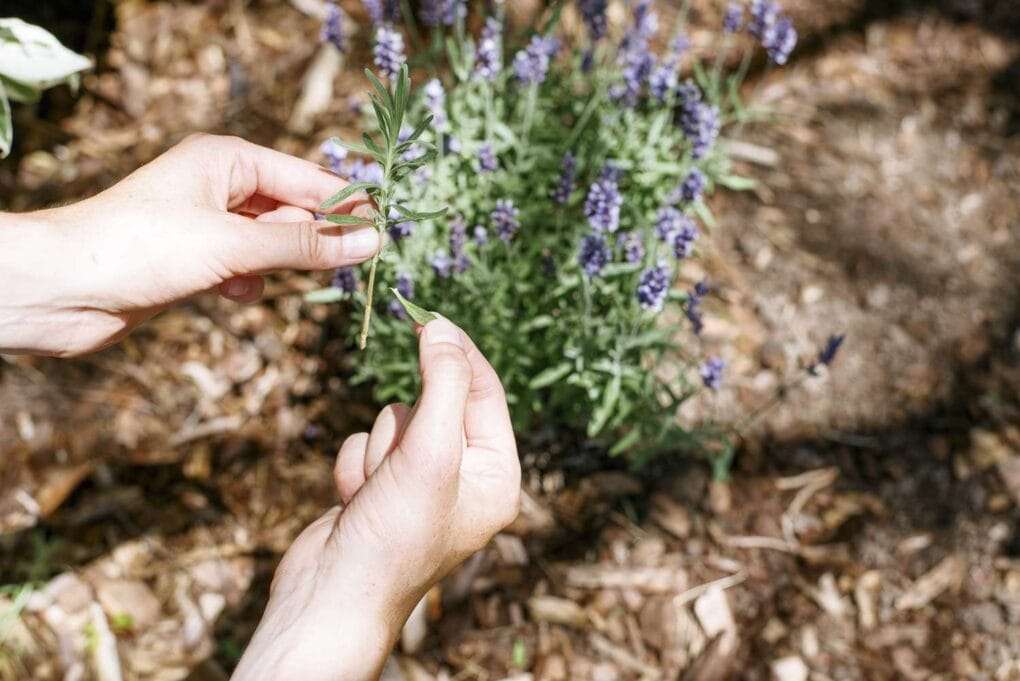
(429, 485)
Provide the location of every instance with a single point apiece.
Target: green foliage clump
(575, 342)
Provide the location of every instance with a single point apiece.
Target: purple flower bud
(487, 159)
(712, 373)
(332, 30)
(480, 235)
(653, 287)
(345, 279)
(632, 246)
(679, 45)
(531, 65)
(636, 66)
(602, 206)
(669, 221)
(442, 12)
(335, 155)
(587, 61)
(698, 120)
(489, 57)
(405, 284)
(361, 171)
(663, 79)
(693, 186)
(594, 14)
(442, 264)
(684, 238)
(381, 11)
(693, 307)
(458, 235)
(561, 194)
(779, 39)
(435, 102)
(733, 20)
(764, 14)
(399, 230)
(389, 50)
(504, 218)
(594, 254)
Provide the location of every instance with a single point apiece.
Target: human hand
(213, 213)
(425, 489)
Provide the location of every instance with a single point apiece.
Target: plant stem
(363, 338)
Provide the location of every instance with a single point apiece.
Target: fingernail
(442, 331)
(362, 243)
(237, 288)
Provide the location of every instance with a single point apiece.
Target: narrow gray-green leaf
(605, 410)
(349, 220)
(418, 215)
(550, 376)
(419, 314)
(384, 94)
(346, 193)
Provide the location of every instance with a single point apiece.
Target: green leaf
(325, 295)
(6, 126)
(349, 220)
(737, 183)
(625, 442)
(376, 151)
(550, 376)
(705, 214)
(353, 146)
(419, 314)
(33, 56)
(346, 193)
(19, 92)
(384, 94)
(605, 409)
(417, 215)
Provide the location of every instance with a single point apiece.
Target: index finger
(256, 170)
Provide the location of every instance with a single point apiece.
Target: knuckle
(311, 246)
(449, 363)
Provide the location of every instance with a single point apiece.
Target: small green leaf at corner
(349, 220)
(419, 314)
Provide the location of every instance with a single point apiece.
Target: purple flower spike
(405, 284)
(487, 159)
(489, 57)
(345, 279)
(504, 218)
(531, 65)
(442, 264)
(333, 28)
(389, 50)
(335, 155)
(443, 12)
(779, 40)
(435, 102)
(693, 307)
(594, 254)
(693, 186)
(733, 20)
(698, 120)
(602, 207)
(764, 14)
(567, 179)
(381, 11)
(594, 14)
(480, 235)
(669, 221)
(712, 373)
(684, 238)
(653, 287)
(632, 246)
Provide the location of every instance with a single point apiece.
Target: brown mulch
(869, 530)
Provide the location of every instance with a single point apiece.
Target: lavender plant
(576, 184)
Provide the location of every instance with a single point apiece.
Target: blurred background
(869, 528)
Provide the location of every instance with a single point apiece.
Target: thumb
(434, 438)
(258, 246)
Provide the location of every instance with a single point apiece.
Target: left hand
(213, 213)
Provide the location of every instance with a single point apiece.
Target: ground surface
(869, 531)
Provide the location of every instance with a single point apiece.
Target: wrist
(29, 308)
